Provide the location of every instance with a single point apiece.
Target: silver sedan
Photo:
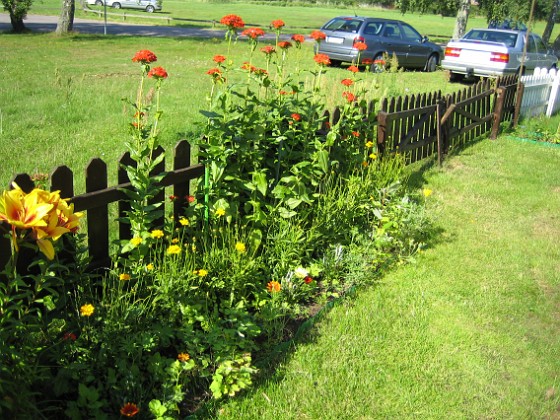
(496, 52)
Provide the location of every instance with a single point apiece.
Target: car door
(546, 60)
(393, 42)
(417, 51)
(532, 59)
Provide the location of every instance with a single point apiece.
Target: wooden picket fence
(418, 126)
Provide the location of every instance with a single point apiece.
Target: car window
(540, 45)
(392, 30)
(373, 28)
(410, 34)
(344, 25)
(531, 46)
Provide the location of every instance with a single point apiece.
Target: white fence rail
(540, 93)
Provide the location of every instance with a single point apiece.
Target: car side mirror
(425, 39)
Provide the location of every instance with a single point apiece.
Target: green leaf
(157, 408)
(260, 181)
(285, 213)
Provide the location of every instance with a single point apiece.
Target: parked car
(496, 52)
(382, 36)
(149, 6)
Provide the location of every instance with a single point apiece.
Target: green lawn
(472, 330)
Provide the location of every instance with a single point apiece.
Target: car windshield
(506, 38)
(343, 24)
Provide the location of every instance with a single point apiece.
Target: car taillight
(452, 52)
(359, 39)
(499, 57)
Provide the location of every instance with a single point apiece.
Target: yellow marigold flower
(273, 286)
(174, 249)
(184, 221)
(427, 192)
(136, 241)
(202, 272)
(157, 234)
(150, 267)
(220, 212)
(183, 357)
(373, 156)
(369, 144)
(124, 276)
(175, 240)
(87, 309)
(240, 247)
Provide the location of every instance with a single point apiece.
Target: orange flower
(219, 59)
(360, 46)
(273, 287)
(353, 69)
(129, 410)
(253, 33)
(318, 36)
(347, 82)
(269, 49)
(285, 45)
(367, 61)
(158, 73)
(350, 97)
(298, 39)
(322, 59)
(308, 280)
(278, 24)
(144, 57)
(296, 117)
(232, 22)
(183, 357)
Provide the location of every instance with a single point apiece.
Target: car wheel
(99, 3)
(336, 63)
(432, 62)
(373, 67)
(150, 9)
(116, 5)
(455, 77)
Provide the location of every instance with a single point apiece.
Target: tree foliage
(17, 10)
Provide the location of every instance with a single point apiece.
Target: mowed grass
(62, 97)
(472, 330)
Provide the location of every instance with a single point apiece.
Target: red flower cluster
(347, 82)
(350, 97)
(278, 24)
(144, 57)
(296, 117)
(190, 199)
(322, 59)
(308, 280)
(129, 410)
(69, 336)
(216, 74)
(253, 33)
(318, 36)
(219, 59)
(367, 61)
(353, 69)
(285, 45)
(360, 46)
(158, 73)
(356, 133)
(232, 22)
(269, 49)
(247, 66)
(379, 62)
(298, 39)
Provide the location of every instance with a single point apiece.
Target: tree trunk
(462, 18)
(66, 18)
(550, 21)
(17, 23)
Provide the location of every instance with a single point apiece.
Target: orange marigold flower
(158, 73)
(129, 410)
(273, 286)
(296, 117)
(350, 97)
(269, 49)
(318, 36)
(144, 57)
(285, 45)
(353, 69)
(232, 22)
(367, 61)
(190, 198)
(183, 357)
(356, 133)
(360, 46)
(278, 24)
(347, 82)
(247, 66)
(298, 39)
(219, 59)
(253, 33)
(379, 62)
(322, 59)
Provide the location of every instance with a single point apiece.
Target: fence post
(518, 102)
(498, 112)
(553, 95)
(381, 131)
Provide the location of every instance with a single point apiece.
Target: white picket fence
(541, 93)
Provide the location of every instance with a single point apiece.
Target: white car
(149, 6)
(496, 52)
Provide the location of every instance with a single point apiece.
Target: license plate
(334, 40)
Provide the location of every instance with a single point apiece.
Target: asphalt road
(39, 23)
